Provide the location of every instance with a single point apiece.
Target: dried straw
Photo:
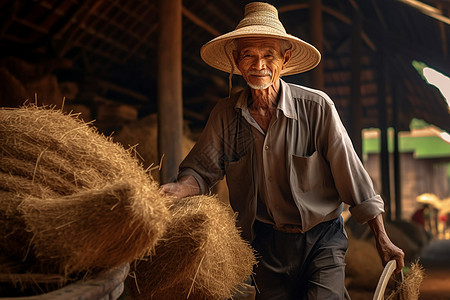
(79, 201)
(201, 256)
(93, 229)
(409, 289)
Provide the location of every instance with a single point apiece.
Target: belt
(288, 228)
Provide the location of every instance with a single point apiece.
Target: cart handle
(384, 279)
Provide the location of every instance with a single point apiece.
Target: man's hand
(186, 186)
(387, 250)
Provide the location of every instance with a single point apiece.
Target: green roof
(431, 146)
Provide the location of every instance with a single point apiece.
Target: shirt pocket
(310, 173)
(239, 178)
(238, 171)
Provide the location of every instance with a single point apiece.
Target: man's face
(260, 60)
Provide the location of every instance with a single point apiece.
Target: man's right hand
(186, 186)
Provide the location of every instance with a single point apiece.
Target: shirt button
(266, 147)
(269, 178)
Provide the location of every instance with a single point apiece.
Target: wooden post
(384, 151)
(397, 171)
(356, 105)
(315, 23)
(170, 101)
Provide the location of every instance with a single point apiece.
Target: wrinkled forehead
(257, 42)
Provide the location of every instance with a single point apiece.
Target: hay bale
(201, 256)
(79, 201)
(92, 229)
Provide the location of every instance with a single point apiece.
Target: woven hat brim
(218, 53)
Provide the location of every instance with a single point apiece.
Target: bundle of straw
(201, 256)
(409, 289)
(77, 200)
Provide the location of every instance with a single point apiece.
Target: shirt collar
(242, 101)
(285, 104)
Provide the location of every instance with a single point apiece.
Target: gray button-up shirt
(275, 204)
(321, 167)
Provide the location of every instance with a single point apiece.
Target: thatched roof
(112, 45)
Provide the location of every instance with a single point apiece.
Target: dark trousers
(308, 265)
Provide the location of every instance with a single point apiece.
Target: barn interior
(133, 69)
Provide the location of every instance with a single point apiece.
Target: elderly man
(289, 163)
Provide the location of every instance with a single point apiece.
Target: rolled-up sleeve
(367, 209)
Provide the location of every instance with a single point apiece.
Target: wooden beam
(199, 22)
(382, 124)
(379, 14)
(443, 36)
(427, 10)
(28, 24)
(396, 99)
(292, 7)
(195, 115)
(111, 86)
(356, 102)
(8, 14)
(170, 102)
(332, 12)
(72, 19)
(406, 47)
(140, 42)
(73, 39)
(340, 16)
(316, 26)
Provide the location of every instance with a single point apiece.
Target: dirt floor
(436, 261)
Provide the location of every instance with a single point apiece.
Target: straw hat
(429, 198)
(260, 20)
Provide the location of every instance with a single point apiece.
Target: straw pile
(71, 200)
(201, 256)
(409, 289)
